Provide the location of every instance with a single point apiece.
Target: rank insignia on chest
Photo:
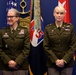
(52, 30)
(5, 35)
(6, 46)
(21, 31)
(67, 29)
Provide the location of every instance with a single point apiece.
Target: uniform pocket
(5, 37)
(20, 36)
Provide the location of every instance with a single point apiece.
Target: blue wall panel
(47, 7)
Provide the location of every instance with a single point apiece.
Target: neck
(59, 23)
(14, 25)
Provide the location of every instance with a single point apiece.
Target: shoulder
(67, 24)
(4, 28)
(49, 25)
(24, 28)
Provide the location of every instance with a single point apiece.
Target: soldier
(59, 44)
(14, 46)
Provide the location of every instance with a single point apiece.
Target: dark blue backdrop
(47, 7)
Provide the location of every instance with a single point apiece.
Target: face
(59, 15)
(11, 18)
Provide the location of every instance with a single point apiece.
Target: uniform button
(59, 40)
(59, 45)
(12, 44)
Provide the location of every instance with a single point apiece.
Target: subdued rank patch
(22, 31)
(5, 35)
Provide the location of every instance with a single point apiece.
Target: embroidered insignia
(67, 29)
(68, 26)
(52, 30)
(22, 31)
(6, 35)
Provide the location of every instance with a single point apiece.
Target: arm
(50, 54)
(25, 52)
(4, 58)
(72, 46)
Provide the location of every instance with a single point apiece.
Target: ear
(53, 14)
(18, 18)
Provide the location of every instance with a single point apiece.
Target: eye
(10, 16)
(61, 13)
(57, 12)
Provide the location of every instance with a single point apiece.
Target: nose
(8, 18)
(59, 14)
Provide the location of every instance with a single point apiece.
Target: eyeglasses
(11, 16)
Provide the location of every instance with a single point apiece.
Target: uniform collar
(58, 25)
(14, 28)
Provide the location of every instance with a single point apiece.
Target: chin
(59, 20)
(10, 24)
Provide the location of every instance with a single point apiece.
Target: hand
(57, 62)
(60, 63)
(12, 64)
